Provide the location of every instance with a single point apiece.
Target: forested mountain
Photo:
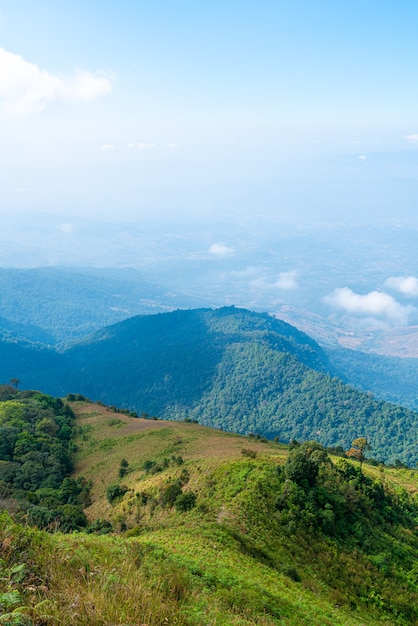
(230, 368)
(52, 305)
(390, 378)
(25, 332)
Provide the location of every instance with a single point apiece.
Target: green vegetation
(35, 460)
(228, 368)
(53, 305)
(393, 379)
(229, 530)
(242, 372)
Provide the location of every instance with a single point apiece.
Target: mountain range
(229, 368)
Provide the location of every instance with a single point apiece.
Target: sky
(137, 108)
(137, 133)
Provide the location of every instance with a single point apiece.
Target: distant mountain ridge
(54, 305)
(229, 368)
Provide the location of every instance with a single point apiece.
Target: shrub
(170, 493)
(184, 477)
(115, 492)
(124, 468)
(100, 527)
(291, 572)
(147, 466)
(249, 453)
(142, 497)
(185, 501)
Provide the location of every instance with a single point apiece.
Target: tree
(303, 463)
(358, 449)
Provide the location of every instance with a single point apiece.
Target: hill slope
(229, 368)
(236, 370)
(57, 305)
(390, 378)
(215, 529)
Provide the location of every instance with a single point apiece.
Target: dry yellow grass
(105, 438)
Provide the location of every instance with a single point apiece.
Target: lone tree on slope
(358, 450)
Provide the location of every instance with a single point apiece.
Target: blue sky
(200, 95)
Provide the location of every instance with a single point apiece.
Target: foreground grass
(178, 577)
(228, 560)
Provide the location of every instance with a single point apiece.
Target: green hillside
(390, 378)
(198, 527)
(229, 368)
(57, 305)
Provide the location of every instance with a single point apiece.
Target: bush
(71, 518)
(124, 468)
(291, 572)
(184, 477)
(115, 492)
(170, 493)
(100, 527)
(185, 501)
(249, 453)
(147, 466)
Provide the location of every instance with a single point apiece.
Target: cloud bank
(408, 285)
(25, 88)
(374, 303)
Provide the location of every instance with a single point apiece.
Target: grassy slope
(229, 558)
(227, 561)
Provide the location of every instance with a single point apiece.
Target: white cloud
(220, 250)
(408, 285)
(106, 147)
(374, 303)
(362, 157)
(286, 280)
(140, 146)
(25, 88)
(66, 228)
(412, 138)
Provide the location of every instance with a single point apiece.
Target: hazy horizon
(177, 109)
(268, 153)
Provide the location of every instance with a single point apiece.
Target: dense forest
(230, 368)
(36, 450)
(390, 378)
